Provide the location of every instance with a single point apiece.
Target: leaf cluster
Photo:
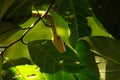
(27, 51)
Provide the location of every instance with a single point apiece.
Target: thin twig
(40, 16)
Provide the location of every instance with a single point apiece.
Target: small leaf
(46, 56)
(87, 59)
(7, 29)
(97, 27)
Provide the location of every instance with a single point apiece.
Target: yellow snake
(56, 39)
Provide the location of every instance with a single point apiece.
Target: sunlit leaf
(15, 62)
(22, 72)
(18, 50)
(61, 25)
(97, 27)
(87, 59)
(20, 69)
(7, 29)
(45, 32)
(75, 12)
(40, 31)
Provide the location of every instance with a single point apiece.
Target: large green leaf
(87, 59)
(18, 12)
(46, 56)
(7, 29)
(19, 69)
(41, 31)
(22, 72)
(75, 12)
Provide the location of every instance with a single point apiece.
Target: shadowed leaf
(18, 12)
(7, 29)
(87, 59)
(44, 54)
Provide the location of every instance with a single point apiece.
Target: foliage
(26, 39)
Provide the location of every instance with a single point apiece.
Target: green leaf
(112, 71)
(105, 47)
(20, 69)
(1, 65)
(61, 24)
(40, 31)
(108, 13)
(110, 50)
(7, 29)
(16, 51)
(85, 74)
(4, 6)
(87, 59)
(75, 12)
(45, 32)
(97, 27)
(22, 72)
(18, 12)
(45, 55)
(15, 62)
(60, 75)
